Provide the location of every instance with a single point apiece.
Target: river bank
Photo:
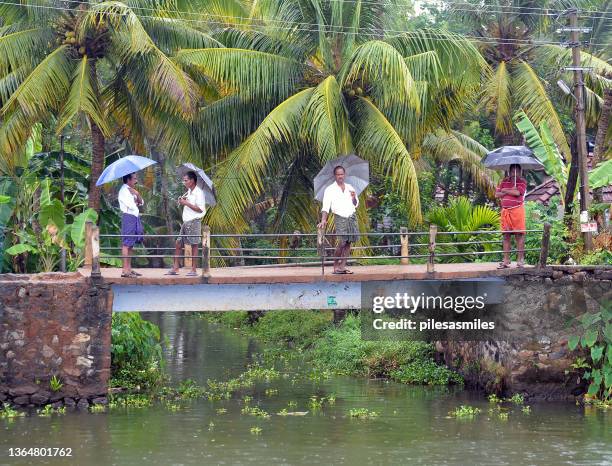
(339, 348)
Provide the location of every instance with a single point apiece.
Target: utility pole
(574, 31)
(62, 251)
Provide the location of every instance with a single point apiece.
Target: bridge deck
(253, 275)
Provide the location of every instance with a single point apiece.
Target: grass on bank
(340, 349)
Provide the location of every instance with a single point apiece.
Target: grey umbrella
(204, 181)
(502, 157)
(356, 169)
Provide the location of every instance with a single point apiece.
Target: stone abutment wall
(54, 325)
(535, 360)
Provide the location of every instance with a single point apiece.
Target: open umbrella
(502, 157)
(204, 182)
(357, 174)
(124, 166)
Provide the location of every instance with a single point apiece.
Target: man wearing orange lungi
(511, 191)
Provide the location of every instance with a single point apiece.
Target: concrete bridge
(274, 288)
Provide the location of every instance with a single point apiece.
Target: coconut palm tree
(509, 32)
(106, 63)
(303, 81)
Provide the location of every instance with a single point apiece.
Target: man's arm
(190, 205)
(323, 221)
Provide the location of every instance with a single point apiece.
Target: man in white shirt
(191, 229)
(131, 225)
(340, 198)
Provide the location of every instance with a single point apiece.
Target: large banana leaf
(543, 146)
(601, 176)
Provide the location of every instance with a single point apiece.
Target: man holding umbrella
(131, 225)
(191, 230)
(341, 199)
(132, 230)
(511, 193)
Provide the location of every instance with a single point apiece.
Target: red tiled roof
(543, 192)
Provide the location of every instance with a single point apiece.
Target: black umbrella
(502, 157)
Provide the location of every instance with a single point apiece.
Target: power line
(294, 27)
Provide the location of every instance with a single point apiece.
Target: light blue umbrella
(124, 166)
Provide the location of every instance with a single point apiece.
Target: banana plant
(601, 175)
(543, 146)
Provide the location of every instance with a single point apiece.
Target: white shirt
(195, 197)
(127, 201)
(339, 202)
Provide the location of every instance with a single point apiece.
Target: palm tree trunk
(161, 158)
(97, 165)
(601, 142)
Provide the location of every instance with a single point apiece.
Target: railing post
(321, 248)
(95, 251)
(206, 251)
(404, 249)
(433, 230)
(545, 245)
(88, 251)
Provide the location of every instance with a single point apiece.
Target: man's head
(190, 180)
(339, 174)
(130, 180)
(514, 170)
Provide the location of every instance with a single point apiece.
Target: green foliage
(536, 215)
(493, 398)
(461, 215)
(425, 372)
(601, 175)
(55, 384)
(465, 412)
(543, 146)
(9, 413)
(255, 411)
(517, 399)
(362, 413)
(342, 350)
(595, 338)
(600, 257)
(298, 328)
(136, 353)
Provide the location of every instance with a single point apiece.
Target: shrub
(536, 215)
(342, 350)
(299, 328)
(136, 353)
(425, 372)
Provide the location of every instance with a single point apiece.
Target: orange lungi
(513, 219)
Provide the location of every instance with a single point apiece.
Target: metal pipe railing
(93, 248)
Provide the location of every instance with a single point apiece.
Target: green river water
(412, 426)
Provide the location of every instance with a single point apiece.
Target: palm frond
(83, 97)
(249, 71)
(459, 59)
(242, 174)
(376, 139)
(326, 121)
(448, 147)
(496, 98)
(45, 87)
(380, 66)
(531, 93)
(20, 47)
